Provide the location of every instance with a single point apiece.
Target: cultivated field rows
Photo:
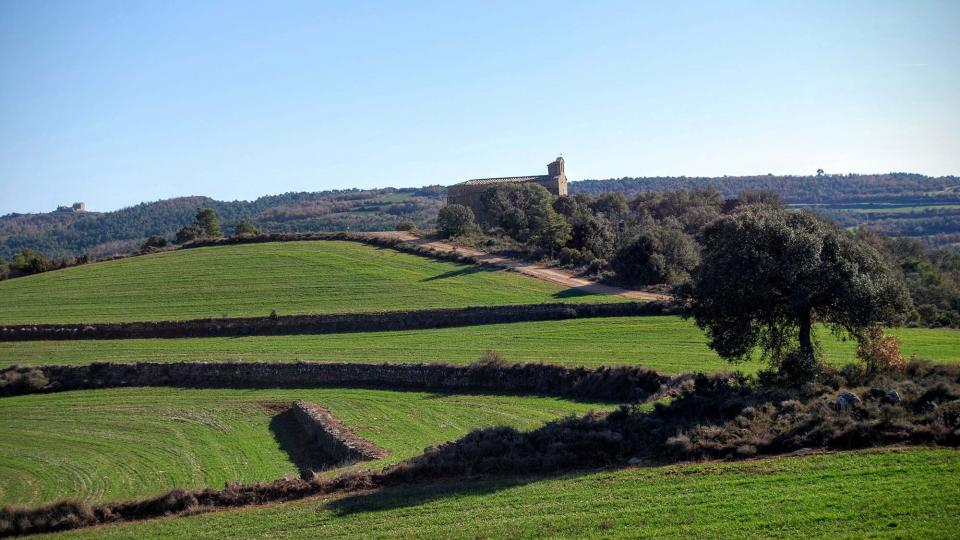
(102, 445)
(895, 494)
(255, 279)
(667, 344)
(99, 445)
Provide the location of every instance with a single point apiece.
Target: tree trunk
(806, 342)
(802, 364)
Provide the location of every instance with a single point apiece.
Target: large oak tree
(767, 275)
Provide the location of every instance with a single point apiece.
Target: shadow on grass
(593, 289)
(465, 271)
(575, 292)
(392, 498)
(293, 440)
(601, 404)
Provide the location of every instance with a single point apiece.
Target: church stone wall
(470, 195)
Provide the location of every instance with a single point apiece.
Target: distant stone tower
(468, 193)
(556, 171)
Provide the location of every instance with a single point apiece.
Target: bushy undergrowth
(708, 417)
(720, 417)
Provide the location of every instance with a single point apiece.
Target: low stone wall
(333, 439)
(328, 324)
(619, 384)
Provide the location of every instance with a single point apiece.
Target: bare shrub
(880, 352)
(490, 359)
(22, 380)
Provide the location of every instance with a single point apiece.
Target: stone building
(77, 207)
(468, 193)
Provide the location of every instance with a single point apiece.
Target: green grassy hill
(126, 443)
(905, 494)
(666, 344)
(254, 279)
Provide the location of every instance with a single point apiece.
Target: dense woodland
(657, 239)
(897, 204)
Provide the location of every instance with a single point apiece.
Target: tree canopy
(207, 220)
(767, 275)
(205, 225)
(455, 220)
(245, 228)
(525, 212)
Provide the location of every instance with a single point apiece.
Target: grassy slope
(115, 444)
(868, 494)
(667, 344)
(252, 280)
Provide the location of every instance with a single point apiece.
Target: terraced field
(254, 279)
(666, 344)
(127, 443)
(884, 494)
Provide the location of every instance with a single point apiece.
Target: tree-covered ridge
(63, 234)
(896, 204)
(823, 188)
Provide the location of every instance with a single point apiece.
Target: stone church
(468, 193)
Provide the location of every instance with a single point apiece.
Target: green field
(904, 494)
(254, 279)
(666, 344)
(125, 443)
(903, 209)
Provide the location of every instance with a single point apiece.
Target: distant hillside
(59, 234)
(823, 189)
(898, 204)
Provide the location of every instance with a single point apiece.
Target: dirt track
(553, 275)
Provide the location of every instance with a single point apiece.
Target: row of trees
(205, 225)
(28, 262)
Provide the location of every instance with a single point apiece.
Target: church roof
(505, 180)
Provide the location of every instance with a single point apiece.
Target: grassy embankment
(125, 443)
(254, 279)
(884, 494)
(666, 344)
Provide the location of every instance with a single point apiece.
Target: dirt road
(553, 275)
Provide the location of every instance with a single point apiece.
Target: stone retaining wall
(619, 384)
(330, 323)
(332, 438)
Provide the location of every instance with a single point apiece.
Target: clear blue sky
(114, 103)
